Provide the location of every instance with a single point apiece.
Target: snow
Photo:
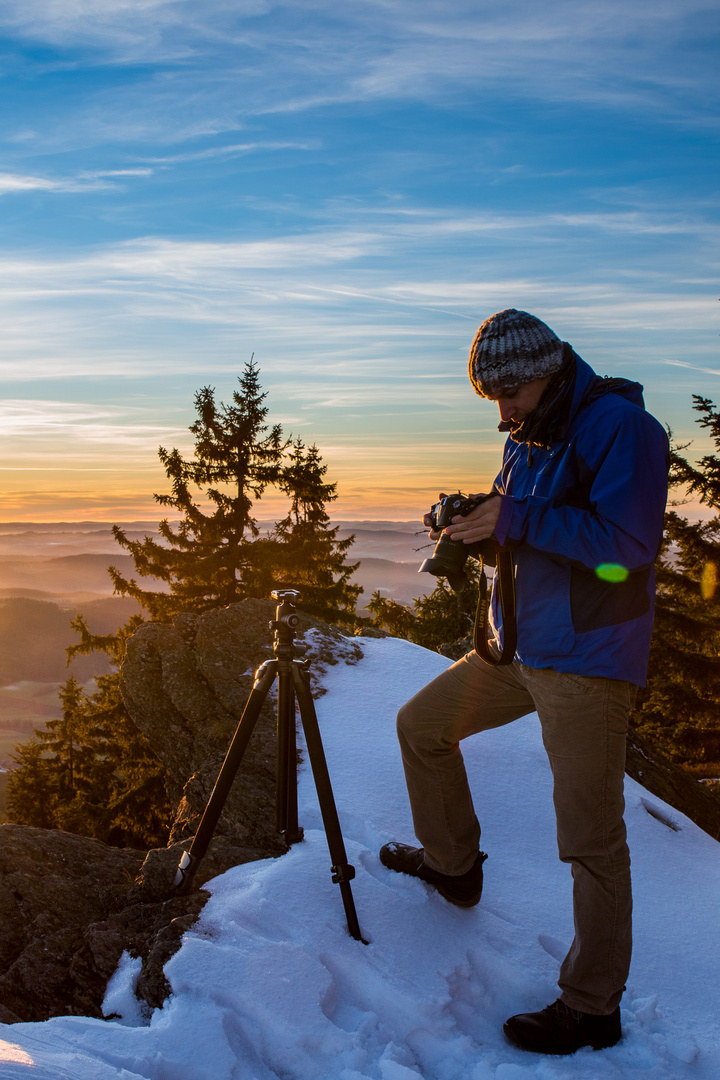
(268, 983)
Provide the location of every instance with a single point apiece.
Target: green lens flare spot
(612, 572)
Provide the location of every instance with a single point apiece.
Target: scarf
(547, 422)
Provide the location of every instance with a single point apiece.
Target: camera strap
(505, 575)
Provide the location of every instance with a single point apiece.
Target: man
(579, 501)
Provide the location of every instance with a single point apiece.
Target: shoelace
(564, 1011)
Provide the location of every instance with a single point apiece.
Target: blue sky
(345, 191)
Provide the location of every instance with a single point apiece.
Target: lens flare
(614, 572)
(709, 580)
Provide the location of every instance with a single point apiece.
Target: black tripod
(294, 681)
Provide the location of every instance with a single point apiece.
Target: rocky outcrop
(70, 906)
(53, 888)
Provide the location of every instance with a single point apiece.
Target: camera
(449, 557)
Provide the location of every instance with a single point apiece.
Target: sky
(270, 984)
(344, 192)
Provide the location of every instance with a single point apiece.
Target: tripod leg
(342, 871)
(286, 808)
(190, 861)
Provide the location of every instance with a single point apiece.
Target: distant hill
(49, 572)
(83, 573)
(35, 633)
(401, 581)
(68, 563)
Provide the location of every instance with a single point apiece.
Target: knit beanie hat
(510, 348)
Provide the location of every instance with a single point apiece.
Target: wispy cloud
(322, 302)
(84, 181)
(168, 261)
(18, 184)
(100, 173)
(80, 424)
(234, 150)
(296, 55)
(692, 367)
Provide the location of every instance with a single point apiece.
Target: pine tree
(120, 794)
(31, 787)
(211, 559)
(444, 616)
(104, 780)
(50, 764)
(679, 710)
(92, 771)
(61, 738)
(309, 555)
(440, 618)
(390, 615)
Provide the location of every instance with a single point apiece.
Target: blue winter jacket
(579, 516)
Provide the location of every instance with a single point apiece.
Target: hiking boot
(464, 890)
(558, 1029)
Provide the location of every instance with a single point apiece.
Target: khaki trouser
(584, 728)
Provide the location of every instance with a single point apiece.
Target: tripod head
(285, 623)
(287, 599)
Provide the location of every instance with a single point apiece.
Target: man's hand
(479, 524)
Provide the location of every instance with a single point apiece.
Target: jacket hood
(589, 387)
(548, 425)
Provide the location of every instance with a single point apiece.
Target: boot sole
(472, 902)
(535, 1048)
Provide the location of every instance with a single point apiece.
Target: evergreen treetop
(309, 555)
(702, 479)
(210, 557)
